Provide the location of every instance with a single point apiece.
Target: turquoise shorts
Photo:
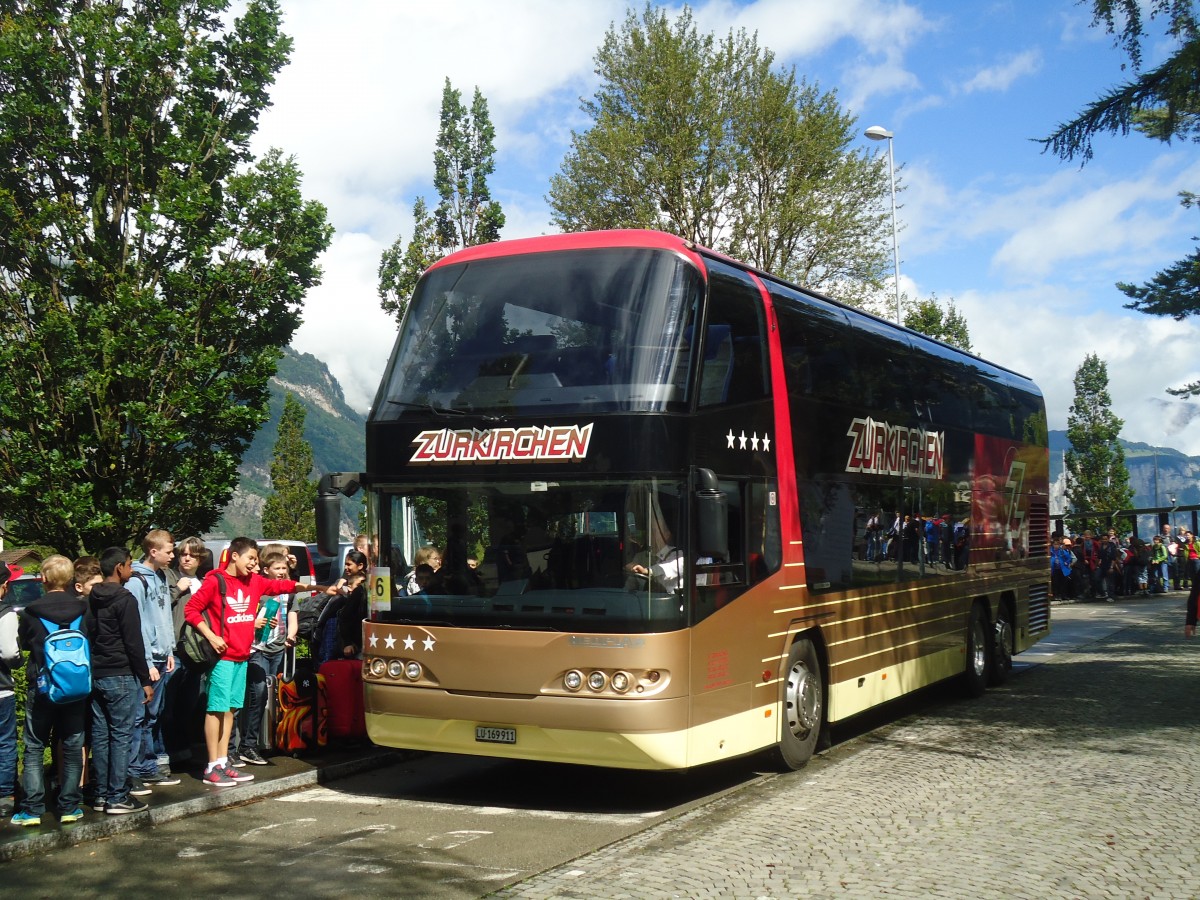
(226, 686)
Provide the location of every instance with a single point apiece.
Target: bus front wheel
(975, 676)
(803, 706)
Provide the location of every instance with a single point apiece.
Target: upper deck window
(595, 330)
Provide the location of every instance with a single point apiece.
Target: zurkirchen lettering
(879, 448)
(549, 443)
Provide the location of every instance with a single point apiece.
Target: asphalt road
(460, 827)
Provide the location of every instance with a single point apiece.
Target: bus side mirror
(330, 489)
(712, 517)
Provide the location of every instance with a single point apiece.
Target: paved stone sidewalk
(1080, 778)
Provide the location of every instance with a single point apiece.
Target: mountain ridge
(334, 429)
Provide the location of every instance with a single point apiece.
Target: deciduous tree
(1097, 479)
(289, 511)
(151, 267)
(706, 138)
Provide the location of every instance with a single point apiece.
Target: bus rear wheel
(975, 676)
(803, 706)
(1002, 638)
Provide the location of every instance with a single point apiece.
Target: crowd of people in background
(1104, 566)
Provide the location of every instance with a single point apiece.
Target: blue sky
(1027, 245)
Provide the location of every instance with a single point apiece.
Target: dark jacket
(114, 627)
(350, 617)
(58, 607)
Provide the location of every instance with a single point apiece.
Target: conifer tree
(289, 512)
(1097, 479)
(1162, 103)
(465, 215)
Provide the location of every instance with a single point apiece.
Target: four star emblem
(742, 442)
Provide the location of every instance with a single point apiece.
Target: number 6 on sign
(381, 590)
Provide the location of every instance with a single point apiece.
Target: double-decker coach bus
(686, 510)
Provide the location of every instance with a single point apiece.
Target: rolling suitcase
(300, 723)
(344, 695)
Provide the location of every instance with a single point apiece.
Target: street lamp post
(879, 133)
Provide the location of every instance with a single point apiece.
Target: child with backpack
(59, 678)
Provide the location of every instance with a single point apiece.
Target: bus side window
(734, 370)
(817, 352)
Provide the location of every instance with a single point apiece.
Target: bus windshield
(595, 556)
(580, 330)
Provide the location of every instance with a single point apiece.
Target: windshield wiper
(447, 411)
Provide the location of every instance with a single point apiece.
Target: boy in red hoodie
(235, 618)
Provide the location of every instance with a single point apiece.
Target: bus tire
(1002, 642)
(975, 675)
(803, 706)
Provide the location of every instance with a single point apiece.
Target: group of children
(131, 619)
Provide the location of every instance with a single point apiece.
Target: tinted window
(858, 534)
(583, 329)
(882, 373)
(817, 352)
(733, 369)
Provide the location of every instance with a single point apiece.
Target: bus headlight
(378, 667)
(412, 671)
(573, 680)
(620, 682)
(395, 668)
(597, 681)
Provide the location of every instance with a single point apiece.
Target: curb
(83, 832)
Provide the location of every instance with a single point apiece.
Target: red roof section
(578, 240)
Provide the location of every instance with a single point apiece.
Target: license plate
(488, 735)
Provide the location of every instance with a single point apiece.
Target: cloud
(1042, 332)
(1001, 77)
(1070, 217)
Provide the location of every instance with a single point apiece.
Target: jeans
(8, 745)
(147, 733)
(116, 704)
(249, 718)
(67, 722)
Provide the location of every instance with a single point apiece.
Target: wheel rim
(803, 700)
(979, 648)
(1003, 642)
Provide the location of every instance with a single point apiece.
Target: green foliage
(1097, 479)
(1168, 90)
(289, 511)
(701, 137)
(948, 324)
(466, 214)
(151, 267)
(402, 266)
(465, 157)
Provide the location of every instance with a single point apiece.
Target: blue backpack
(66, 674)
